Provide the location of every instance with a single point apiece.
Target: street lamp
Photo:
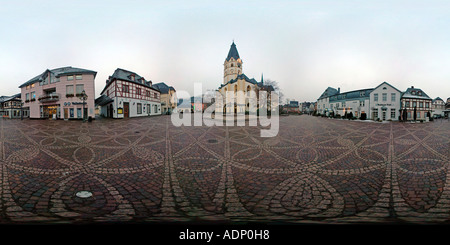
(21, 110)
(83, 97)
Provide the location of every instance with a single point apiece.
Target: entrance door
(384, 116)
(66, 113)
(126, 109)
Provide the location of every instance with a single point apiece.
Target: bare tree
(276, 88)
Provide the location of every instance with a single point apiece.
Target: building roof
(184, 104)
(438, 98)
(103, 100)
(355, 94)
(329, 92)
(63, 71)
(241, 76)
(415, 93)
(387, 84)
(233, 53)
(124, 75)
(8, 98)
(163, 88)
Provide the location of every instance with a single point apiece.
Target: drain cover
(84, 194)
(212, 141)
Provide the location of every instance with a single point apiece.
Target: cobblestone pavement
(146, 169)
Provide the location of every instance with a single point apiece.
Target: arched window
(231, 64)
(248, 90)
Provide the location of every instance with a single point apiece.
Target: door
(126, 109)
(66, 113)
(384, 116)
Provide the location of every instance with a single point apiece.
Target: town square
(147, 170)
(224, 121)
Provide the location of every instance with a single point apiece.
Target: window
(427, 105)
(132, 77)
(139, 108)
(79, 77)
(421, 104)
(362, 94)
(138, 91)
(375, 114)
(148, 93)
(361, 103)
(28, 87)
(375, 97)
(393, 97)
(80, 88)
(69, 78)
(418, 114)
(71, 112)
(414, 104)
(27, 97)
(78, 112)
(69, 89)
(392, 113)
(33, 95)
(407, 103)
(384, 96)
(125, 88)
(155, 95)
(32, 85)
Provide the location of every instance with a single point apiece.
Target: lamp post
(21, 110)
(83, 97)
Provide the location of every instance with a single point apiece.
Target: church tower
(233, 64)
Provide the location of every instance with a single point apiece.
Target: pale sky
(306, 46)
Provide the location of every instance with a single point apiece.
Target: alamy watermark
(233, 108)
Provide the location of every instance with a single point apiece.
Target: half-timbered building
(414, 100)
(127, 94)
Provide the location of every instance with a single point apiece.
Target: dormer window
(384, 88)
(413, 92)
(132, 77)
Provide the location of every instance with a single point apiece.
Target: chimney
(339, 90)
(412, 86)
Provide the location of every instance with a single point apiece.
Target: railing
(49, 97)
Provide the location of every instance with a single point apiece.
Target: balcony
(51, 97)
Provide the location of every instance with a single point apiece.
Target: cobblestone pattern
(145, 169)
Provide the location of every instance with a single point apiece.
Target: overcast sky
(305, 46)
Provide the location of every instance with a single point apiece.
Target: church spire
(233, 53)
(262, 79)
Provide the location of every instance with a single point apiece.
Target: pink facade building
(58, 93)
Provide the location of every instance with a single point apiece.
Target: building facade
(323, 102)
(58, 93)
(356, 102)
(168, 97)
(126, 94)
(437, 107)
(381, 102)
(385, 102)
(415, 100)
(10, 107)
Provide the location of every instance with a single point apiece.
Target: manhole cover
(84, 194)
(212, 141)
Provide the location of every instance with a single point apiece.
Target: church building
(235, 81)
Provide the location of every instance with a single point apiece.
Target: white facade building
(385, 102)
